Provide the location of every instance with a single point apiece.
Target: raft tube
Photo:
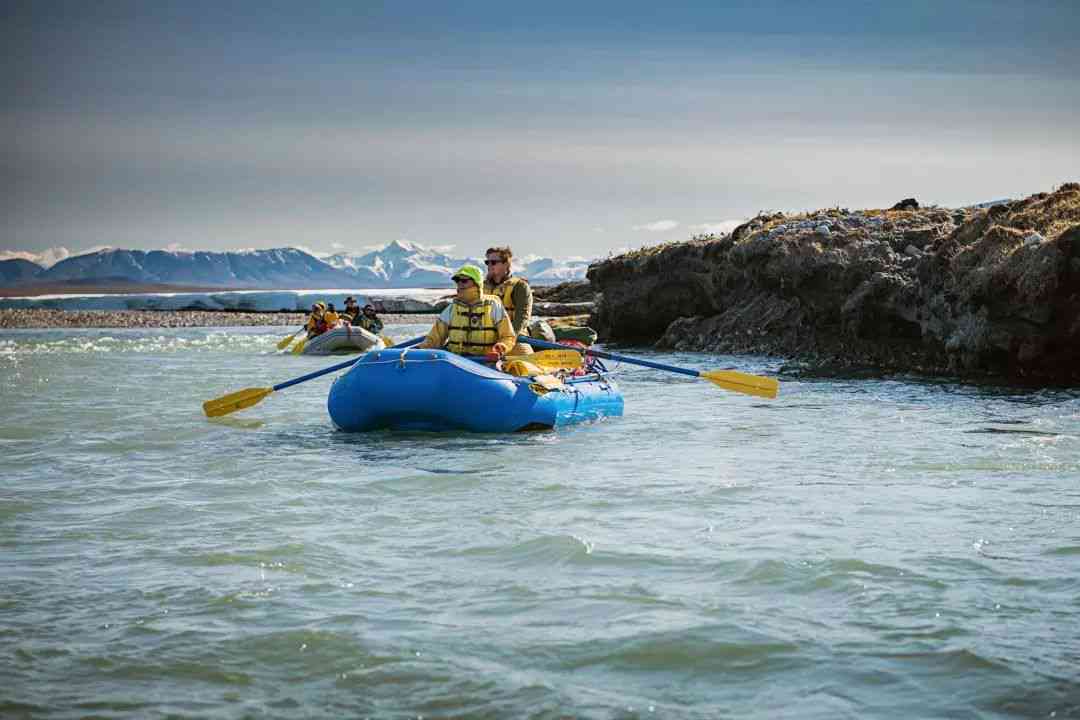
(343, 339)
(438, 391)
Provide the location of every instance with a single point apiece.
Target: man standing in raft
(514, 292)
(474, 323)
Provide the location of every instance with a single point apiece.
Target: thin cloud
(658, 226)
(311, 251)
(45, 258)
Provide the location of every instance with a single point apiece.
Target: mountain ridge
(398, 264)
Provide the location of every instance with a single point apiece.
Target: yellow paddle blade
(235, 401)
(743, 382)
(299, 347)
(551, 358)
(388, 341)
(282, 344)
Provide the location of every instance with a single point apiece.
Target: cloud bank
(658, 226)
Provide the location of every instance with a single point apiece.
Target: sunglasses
(461, 281)
(493, 262)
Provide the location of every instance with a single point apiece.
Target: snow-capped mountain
(546, 271)
(405, 264)
(400, 264)
(277, 268)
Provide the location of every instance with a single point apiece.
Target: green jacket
(372, 325)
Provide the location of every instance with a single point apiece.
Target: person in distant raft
(514, 292)
(331, 317)
(474, 323)
(369, 320)
(316, 322)
(352, 311)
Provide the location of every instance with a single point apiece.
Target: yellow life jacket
(472, 327)
(505, 292)
(331, 318)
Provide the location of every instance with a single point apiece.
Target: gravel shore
(38, 318)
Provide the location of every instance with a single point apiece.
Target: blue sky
(560, 128)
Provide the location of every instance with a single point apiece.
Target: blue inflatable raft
(434, 390)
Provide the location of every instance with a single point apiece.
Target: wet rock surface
(971, 292)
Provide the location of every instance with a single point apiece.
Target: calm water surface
(856, 548)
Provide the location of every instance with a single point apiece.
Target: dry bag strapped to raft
(540, 330)
(584, 335)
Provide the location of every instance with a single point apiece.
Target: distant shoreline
(38, 318)
(34, 290)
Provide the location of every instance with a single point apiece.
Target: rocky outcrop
(572, 298)
(574, 291)
(970, 292)
(554, 309)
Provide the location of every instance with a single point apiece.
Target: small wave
(237, 423)
(180, 669)
(846, 575)
(956, 661)
(543, 551)
(1065, 550)
(112, 706)
(720, 649)
(12, 508)
(13, 708)
(138, 344)
(40, 653)
(1011, 431)
(268, 559)
(927, 633)
(311, 652)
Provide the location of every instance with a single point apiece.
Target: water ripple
(857, 548)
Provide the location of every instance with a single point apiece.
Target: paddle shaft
(610, 356)
(339, 366)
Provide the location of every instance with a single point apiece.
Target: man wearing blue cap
(474, 323)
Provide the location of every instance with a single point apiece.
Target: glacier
(394, 300)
